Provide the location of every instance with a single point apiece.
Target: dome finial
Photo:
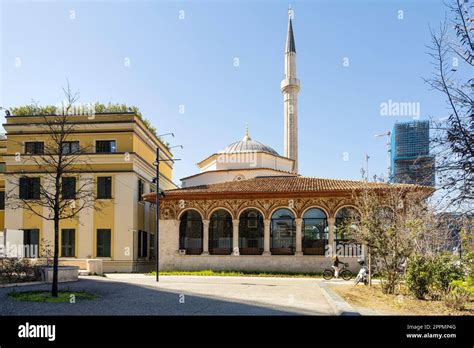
(247, 137)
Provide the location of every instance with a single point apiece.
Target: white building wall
(223, 176)
(85, 233)
(13, 220)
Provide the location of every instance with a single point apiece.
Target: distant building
(411, 162)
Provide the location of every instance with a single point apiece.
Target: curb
(337, 303)
(20, 284)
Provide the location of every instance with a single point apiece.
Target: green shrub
(459, 293)
(446, 269)
(419, 276)
(15, 270)
(432, 275)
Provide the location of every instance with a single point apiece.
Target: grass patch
(401, 304)
(45, 296)
(209, 272)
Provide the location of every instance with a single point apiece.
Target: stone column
(266, 237)
(331, 223)
(205, 237)
(299, 237)
(235, 237)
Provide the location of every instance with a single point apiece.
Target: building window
(105, 146)
(190, 232)
(34, 148)
(2, 200)
(251, 232)
(70, 147)
(315, 232)
(220, 233)
(103, 242)
(68, 190)
(104, 187)
(141, 189)
(29, 188)
(31, 241)
(142, 244)
(68, 242)
(283, 232)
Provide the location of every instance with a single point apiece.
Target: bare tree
(387, 223)
(453, 139)
(53, 164)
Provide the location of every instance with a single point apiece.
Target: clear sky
(189, 63)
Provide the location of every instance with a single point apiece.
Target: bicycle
(344, 273)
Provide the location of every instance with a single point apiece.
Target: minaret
(290, 86)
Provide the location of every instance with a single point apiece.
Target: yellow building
(120, 156)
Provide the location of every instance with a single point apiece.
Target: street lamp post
(157, 203)
(389, 150)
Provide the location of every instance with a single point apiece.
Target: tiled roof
(287, 184)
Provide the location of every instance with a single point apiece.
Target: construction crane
(389, 150)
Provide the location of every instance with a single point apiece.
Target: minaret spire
(290, 39)
(290, 86)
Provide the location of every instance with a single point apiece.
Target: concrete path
(138, 294)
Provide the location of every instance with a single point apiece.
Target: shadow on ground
(119, 298)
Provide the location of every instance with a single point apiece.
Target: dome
(248, 145)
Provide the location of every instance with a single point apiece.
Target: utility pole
(156, 180)
(367, 157)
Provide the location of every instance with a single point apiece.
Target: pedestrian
(335, 265)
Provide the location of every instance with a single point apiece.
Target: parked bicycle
(344, 273)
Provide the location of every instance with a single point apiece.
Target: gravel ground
(138, 294)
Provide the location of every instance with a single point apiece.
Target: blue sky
(190, 62)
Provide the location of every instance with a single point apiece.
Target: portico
(282, 223)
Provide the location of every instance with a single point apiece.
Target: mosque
(248, 208)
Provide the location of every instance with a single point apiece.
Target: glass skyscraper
(410, 161)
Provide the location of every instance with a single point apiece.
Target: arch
(346, 206)
(219, 208)
(315, 231)
(191, 232)
(193, 209)
(248, 208)
(342, 232)
(220, 232)
(282, 232)
(282, 207)
(315, 207)
(251, 232)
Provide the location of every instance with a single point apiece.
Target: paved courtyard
(138, 294)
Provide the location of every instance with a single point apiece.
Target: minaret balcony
(290, 84)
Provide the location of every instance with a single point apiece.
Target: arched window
(315, 232)
(220, 233)
(251, 232)
(190, 232)
(282, 232)
(346, 219)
